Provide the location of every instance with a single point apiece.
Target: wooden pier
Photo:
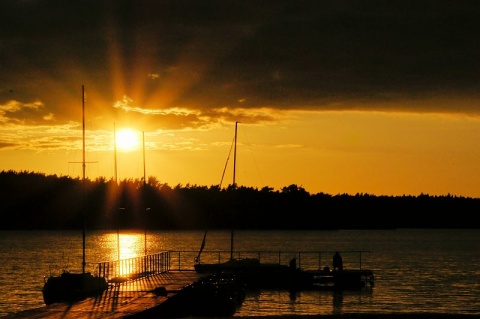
(132, 299)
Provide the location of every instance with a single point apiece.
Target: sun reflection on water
(131, 245)
(128, 246)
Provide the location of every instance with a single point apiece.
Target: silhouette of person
(337, 261)
(293, 263)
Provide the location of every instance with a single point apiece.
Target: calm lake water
(416, 270)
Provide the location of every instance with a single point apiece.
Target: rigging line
(226, 163)
(247, 143)
(197, 259)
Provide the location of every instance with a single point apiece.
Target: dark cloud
(330, 54)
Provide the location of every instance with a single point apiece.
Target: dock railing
(124, 270)
(306, 260)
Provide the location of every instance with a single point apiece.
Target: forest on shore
(35, 201)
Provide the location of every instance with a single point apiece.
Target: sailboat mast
(234, 185)
(83, 178)
(144, 193)
(83, 133)
(115, 154)
(235, 157)
(116, 181)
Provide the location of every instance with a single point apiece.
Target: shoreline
(413, 315)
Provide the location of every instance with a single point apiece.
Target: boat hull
(69, 287)
(256, 275)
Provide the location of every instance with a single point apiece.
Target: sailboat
(236, 265)
(68, 286)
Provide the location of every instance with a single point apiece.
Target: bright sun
(127, 139)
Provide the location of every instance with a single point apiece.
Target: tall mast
(115, 154)
(116, 182)
(83, 134)
(234, 185)
(83, 179)
(144, 193)
(235, 157)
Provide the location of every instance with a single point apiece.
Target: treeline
(31, 200)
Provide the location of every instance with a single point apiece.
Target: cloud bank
(186, 64)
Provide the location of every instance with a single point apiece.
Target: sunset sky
(335, 96)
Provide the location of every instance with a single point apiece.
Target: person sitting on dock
(337, 262)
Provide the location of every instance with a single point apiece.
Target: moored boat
(234, 265)
(266, 273)
(69, 287)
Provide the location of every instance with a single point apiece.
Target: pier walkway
(131, 299)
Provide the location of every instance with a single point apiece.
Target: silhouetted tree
(31, 200)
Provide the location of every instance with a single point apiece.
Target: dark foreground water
(416, 271)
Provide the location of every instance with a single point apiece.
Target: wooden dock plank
(120, 301)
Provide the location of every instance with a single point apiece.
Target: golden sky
(333, 96)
